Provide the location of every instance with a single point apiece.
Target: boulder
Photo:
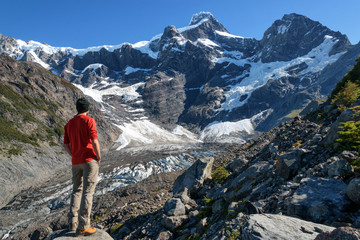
(317, 199)
(272, 226)
(338, 167)
(353, 190)
(289, 163)
(174, 207)
(244, 183)
(65, 235)
(194, 177)
(173, 222)
(342, 233)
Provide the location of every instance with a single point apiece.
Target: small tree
(220, 174)
(349, 135)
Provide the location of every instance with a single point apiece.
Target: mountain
(201, 77)
(35, 106)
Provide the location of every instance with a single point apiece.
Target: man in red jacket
(81, 142)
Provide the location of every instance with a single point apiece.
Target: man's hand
(67, 148)
(96, 147)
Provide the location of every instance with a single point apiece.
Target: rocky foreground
(284, 185)
(287, 184)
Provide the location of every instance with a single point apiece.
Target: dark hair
(82, 105)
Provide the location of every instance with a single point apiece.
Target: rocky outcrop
(272, 226)
(341, 233)
(194, 177)
(324, 199)
(65, 235)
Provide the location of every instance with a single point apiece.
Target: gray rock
(317, 199)
(164, 235)
(65, 234)
(174, 207)
(194, 177)
(353, 190)
(271, 226)
(349, 155)
(243, 184)
(237, 164)
(173, 222)
(290, 163)
(342, 233)
(339, 167)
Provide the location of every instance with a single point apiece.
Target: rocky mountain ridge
(201, 75)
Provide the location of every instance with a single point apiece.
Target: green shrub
(232, 235)
(347, 96)
(349, 136)
(220, 174)
(348, 84)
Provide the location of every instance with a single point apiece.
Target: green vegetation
(14, 150)
(17, 109)
(293, 114)
(232, 235)
(9, 132)
(349, 135)
(220, 174)
(347, 96)
(347, 91)
(115, 229)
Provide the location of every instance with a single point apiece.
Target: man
(81, 142)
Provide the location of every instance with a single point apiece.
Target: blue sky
(86, 23)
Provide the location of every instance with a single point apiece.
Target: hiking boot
(87, 232)
(73, 226)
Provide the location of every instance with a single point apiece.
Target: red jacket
(79, 132)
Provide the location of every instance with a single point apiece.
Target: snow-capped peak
(196, 18)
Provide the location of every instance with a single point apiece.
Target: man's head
(82, 105)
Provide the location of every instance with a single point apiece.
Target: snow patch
(179, 130)
(218, 129)
(206, 42)
(127, 93)
(201, 16)
(93, 67)
(38, 60)
(144, 47)
(129, 70)
(145, 132)
(228, 35)
(282, 29)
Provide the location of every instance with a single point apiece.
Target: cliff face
(35, 106)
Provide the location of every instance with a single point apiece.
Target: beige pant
(84, 182)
